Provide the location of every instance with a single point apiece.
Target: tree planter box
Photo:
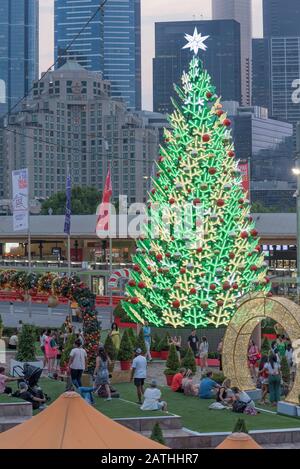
(155, 354)
(16, 367)
(125, 365)
(169, 379)
(214, 362)
(125, 325)
(164, 354)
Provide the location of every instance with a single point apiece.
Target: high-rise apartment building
(222, 59)
(71, 119)
(281, 18)
(241, 11)
(261, 73)
(19, 55)
(110, 44)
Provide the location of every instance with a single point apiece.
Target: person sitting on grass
(176, 385)
(189, 388)
(207, 387)
(139, 373)
(3, 380)
(224, 393)
(26, 395)
(152, 398)
(243, 397)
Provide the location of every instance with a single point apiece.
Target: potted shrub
(172, 365)
(157, 434)
(125, 353)
(164, 347)
(189, 361)
(111, 351)
(265, 347)
(240, 426)
(133, 337)
(26, 349)
(155, 353)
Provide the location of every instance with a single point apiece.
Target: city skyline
(190, 10)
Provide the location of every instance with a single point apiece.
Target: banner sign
(244, 168)
(20, 199)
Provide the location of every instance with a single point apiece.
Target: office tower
(19, 61)
(72, 119)
(261, 73)
(222, 59)
(281, 18)
(111, 44)
(241, 11)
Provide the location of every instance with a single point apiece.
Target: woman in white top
(273, 368)
(152, 399)
(203, 353)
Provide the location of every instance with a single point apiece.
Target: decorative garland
(68, 287)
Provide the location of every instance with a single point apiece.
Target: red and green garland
(68, 287)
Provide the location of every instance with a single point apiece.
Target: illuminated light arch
(240, 329)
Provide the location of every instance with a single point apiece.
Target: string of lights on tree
(194, 276)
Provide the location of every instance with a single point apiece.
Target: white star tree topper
(195, 42)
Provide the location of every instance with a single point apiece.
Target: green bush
(155, 343)
(157, 434)
(140, 343)
(189, 361)
(163, 345)
(126, 348)
(110, 349)
(26, 348)
(240, 426)
(133, 337)
(172, 364)
(67, 347)
(285, 370)
(218, 377)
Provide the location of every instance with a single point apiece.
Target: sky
(152, 11)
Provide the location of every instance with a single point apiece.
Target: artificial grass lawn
(194, 412)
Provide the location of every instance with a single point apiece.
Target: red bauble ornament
(183, 270)
(219, 112)
(209, 95)
(153, 191)
(171, 201)
(213, 286)
(160, 270)
(159, 257)
(189, 191)
(141, 285)
(132, 283)
(227, 122)
(158, 174)
(193, 291)
(168, 254)
(172, 238)
(199, 250)
(179, 158)
(149, 267)
(231, 154)
(226, 286)
(235, 286)
(220, 302)
(257, 248)
(136, 268)
(166, 188)
(220, 203)
(196, 201)
(241, 201)
(212, 170)
(254, 268)
(270, 293)
(254, 233)
(267, 279)
(176, 304)
(167, 140)
(134, 300)
(161, 159)
(244, 235)
(205, 138)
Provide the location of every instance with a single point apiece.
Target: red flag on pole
(103, 212)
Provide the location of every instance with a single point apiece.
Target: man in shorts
(139, 373)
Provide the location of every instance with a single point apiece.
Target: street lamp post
(296, 171)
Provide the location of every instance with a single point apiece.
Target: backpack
(239, 407)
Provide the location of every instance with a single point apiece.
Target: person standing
(273, 368)
(101, 373)
(253, 358)
(220, 350)
(147, 339)
(193, 342)
(42, 346)
(77, 363)
(115, 335)
(13, 341)
(139, 373)
(203, 353)
(51, 351)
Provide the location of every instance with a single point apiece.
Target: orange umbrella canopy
(239, 441)
(71, 423)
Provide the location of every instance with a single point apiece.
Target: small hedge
(189, 361)
(26, 348)
(110, 349)
(172, 364)
(126, 348)
(157, 434)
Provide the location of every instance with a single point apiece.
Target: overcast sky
(152, 11)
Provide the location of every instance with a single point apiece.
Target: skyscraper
(281, 18)
(111, 44)
(261, 73)
(19, 61)
(222, 59)
(241, 11)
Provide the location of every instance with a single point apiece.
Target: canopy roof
(239, 441)
(71, 423)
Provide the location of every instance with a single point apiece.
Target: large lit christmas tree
(200, 250)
